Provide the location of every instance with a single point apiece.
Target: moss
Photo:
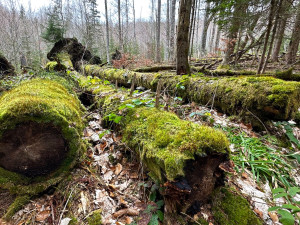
(54, 66)
(223, 67)
(95, 218)
(19, 202)
(265, 96)
(166, 142)
(229, 208)
(288, 75)
(297, 118)
(64, 58)
(41, 101)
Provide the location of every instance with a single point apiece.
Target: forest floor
(112, 184)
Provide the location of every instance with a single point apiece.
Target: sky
(142, 7)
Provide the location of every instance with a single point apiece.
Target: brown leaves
(227, 166)
(128, 212)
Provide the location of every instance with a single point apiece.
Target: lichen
(229, 208)
(165, 142)
(19, 202)
(41, 101)
(95, 218)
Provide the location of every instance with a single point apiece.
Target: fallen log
(184, 157)
(5, 67)
(40, 137)
(263, 96)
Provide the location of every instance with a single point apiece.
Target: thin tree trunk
(134, 30)
(158, 56)
(172, 30)
(193, 24)
(273, 36)
(107, 33)
(271, 16)
(217, 40)
(197, 30)
(168, 30)
(205, 28)
(182, 42)
(280, 31)
(294, 43)
(212, 38)
(120, 25)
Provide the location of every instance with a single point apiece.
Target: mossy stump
(40, 136)
(5, 66)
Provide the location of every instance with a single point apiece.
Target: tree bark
(172, 30)
(295, 39)
(182, 42)
(158, 54)
(270, 24)
(121, 46)
(280, 31)
(168, 30)
(107, 33)
(205, 28)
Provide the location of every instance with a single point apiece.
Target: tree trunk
(158, 54)
(107, 33)
(212, 38)
(280, 31)
(120, 26)
(134, 30)
(168, 30)
(294, 43)
(205, 28)
(182, 42)
(270, 23)
(218, 41)
(172, 30)
(193, 27)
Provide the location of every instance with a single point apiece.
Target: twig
(258, 120)
(190, 218)
(64, 209)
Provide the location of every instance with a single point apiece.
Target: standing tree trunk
(294, 43)
(168, 30)
(270, 23)
(107, 33)
(134, 31)
(182, 42)
(205, 28)
(193, 24)
(281, 28)
(217, 41)
(212, 38)
(158, 57)
(172, 30)
(120, 25)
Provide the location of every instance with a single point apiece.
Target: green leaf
(290, 206)
(160, 203)
(153, 196)
(160, 215)
(137, 101)
(293, 191)
(153, 220)
(274, 208)
(280, 195)
(278, 190)
(130, 106)
(286, 217)
(122, 107)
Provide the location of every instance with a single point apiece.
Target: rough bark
(120, 26)
(182, 42)
(205, 28)
(168, 30)
(295, 39)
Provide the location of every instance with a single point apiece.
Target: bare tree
(172, 29)
(158, 21)
(107, 33)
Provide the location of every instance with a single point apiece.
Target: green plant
(289, 131)
(264, 161)
(288, 212)
(155, 209)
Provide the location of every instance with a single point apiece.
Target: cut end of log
(32, 149)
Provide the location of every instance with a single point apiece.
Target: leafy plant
(288, 212)
(114, 117)
(289, 132)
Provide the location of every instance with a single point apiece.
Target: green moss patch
(166, 143)
(229, 208)
(41, 101)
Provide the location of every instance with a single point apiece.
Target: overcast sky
(142, 7)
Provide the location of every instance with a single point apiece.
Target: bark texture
(5, 66)
(182, 43)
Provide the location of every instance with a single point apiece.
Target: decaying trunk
(182, 42)
(188, 172)
(259, 97)
(40, 137)
(78, 53)
(5, 66)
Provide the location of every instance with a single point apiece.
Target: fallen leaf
(259, 213)
(244, 175)
(273, 216)
(119, 168)
(42, 216)
(227, 166)
(128, 220)
(129, 212)
(65, 221)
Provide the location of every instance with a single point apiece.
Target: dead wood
(5, 66)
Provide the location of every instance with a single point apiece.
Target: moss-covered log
(40, 127)
(249, 96)
(182, 155)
